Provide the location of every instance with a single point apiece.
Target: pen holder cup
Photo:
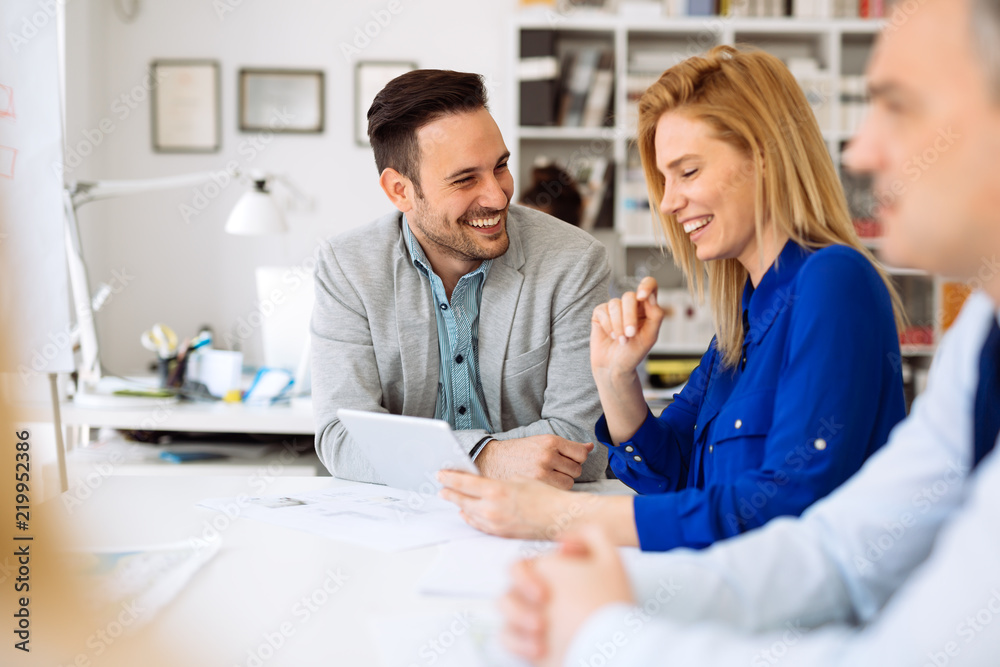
(163, 368)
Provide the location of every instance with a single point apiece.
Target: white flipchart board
(34, 297)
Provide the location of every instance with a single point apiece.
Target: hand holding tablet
(407, 452)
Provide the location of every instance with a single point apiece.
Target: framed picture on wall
(369, 78)
(281, 100)
(186, 106)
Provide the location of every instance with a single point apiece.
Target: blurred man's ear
(398, 188)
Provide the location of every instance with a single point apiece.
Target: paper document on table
(370, 515)
(145, 578)
(460, 639)
(478, 567)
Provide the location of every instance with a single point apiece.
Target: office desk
(251, 587)
(217, 417)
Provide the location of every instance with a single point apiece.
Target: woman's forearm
(624, 406)
(614, 514)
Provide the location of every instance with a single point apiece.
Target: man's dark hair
(411, 101)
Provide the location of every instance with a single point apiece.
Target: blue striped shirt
(460, 399)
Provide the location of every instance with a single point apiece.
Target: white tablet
(407, 452)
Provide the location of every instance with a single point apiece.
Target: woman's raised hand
(624, 330)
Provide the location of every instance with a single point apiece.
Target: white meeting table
(262, 572)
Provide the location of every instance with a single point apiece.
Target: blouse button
(819, 444)
(629, 449)
(637, 458)
(739, 423)
(711, 448)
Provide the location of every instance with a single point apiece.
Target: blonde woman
(801, 383)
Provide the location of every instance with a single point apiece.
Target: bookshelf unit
(828, 56)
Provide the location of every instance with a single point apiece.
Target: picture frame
(369, 78)
(186, 106)
(282, 100)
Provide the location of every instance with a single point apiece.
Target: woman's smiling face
(709, 187)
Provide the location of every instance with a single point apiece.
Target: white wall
(189, 274)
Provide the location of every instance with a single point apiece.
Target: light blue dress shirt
(899, 566)
(460, 399)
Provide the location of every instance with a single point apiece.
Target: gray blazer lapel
(496, 319)
(416, 328)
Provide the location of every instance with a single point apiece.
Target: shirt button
(739, 423)
(444, 306)
(630, 449)
(461, 410)
(459, 359)
(819, 444)
(711, 448)
(637, 458)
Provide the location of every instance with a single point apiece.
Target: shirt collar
(774, 293)
(420, 261)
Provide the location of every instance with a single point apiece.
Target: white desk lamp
(255, 213)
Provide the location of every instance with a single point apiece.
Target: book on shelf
(675, 7)
(853, 101)
(597, 108)
(577, 80)
(538, 73)
(595, 177)
(803, 9)
(953, 296)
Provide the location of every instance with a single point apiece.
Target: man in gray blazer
(459, 305)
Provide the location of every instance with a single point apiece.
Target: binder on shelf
(701, 7)
(597, 185)
(678, 7)
(597, 107)
(578, 82)
(538, 71)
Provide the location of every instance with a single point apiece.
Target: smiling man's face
(465, 187)
(932, 141)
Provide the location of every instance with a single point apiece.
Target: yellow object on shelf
(233, 396)
(671, 372)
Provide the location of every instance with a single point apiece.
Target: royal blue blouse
(817, 390)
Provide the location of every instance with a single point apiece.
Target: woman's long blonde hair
(751, 101)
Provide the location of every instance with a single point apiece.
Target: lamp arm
(83, 192)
